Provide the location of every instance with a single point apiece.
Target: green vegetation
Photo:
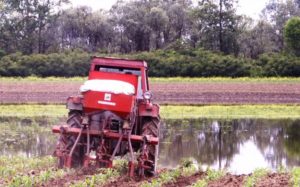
(295, 177)
(165, 177)
(33, 110)
(232, 112)
(98, 179)
(189, 63)
(186, 168)
(292, 33)
(211, 176)
(172, 112)
(11, 166)
(256, 175)
(28, 180)
(103, 176)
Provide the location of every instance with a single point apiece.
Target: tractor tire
(151, 127)
(67, 141)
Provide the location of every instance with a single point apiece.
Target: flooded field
(240, 146)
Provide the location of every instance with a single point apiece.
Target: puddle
(26, 137)
(239, 146)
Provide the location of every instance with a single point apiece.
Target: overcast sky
(251, 8)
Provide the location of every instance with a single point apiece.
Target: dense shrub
(196, 63)
(279, 65)
(167, 63)
(56, 64)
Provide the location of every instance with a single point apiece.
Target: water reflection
(26, 137)
(239, 146)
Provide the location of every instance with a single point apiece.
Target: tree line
(185, 62)
(37, 37)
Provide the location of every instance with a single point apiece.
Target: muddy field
(164, 93)
(79, 177)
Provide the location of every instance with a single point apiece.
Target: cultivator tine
(131, 168)
(117, 147)
(68, 162)
(87, 157)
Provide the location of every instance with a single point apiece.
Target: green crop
(10, 166)
(103, 177)
(28, 180)
(295, 180)
(186, 168)
(256, 175)
(171, 111)
(211, 175)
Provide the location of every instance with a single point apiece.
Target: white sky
(250, 8)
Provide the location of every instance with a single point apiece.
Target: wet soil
(164, 93)
(186, 181)
(71, 178)
(229, 180)
(274, 180)
(125, 180)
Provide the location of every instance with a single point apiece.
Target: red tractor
(113, 116)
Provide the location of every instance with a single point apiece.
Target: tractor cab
(114, 85)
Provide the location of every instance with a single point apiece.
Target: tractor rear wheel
(66, 141)
(151, 128)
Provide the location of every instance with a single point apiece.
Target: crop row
(171, 112)
(20, 171)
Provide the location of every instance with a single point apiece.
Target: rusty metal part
(68, 162)
(106, 133)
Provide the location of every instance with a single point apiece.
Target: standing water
(239, 146)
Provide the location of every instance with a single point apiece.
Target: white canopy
(112, 86)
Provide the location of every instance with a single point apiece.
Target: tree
(99, 31)
(131, 21)
(218, 25)
(157, 19)
(25, 22)
(292, 35)
(277, 13)
(257, 40)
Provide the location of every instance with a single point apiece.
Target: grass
(232, 112)
(34, 110)
(164, 79)
(254, 178)
(171, 111)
